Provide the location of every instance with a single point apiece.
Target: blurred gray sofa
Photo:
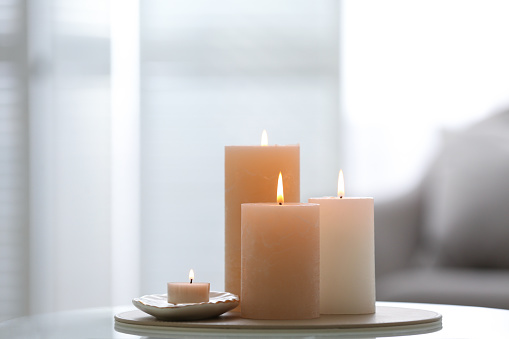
(447, 241)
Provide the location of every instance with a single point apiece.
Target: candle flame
(341, 184)
(280, 194)
(191, 275)
(265, 139)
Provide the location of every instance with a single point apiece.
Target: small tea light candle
(188, 293)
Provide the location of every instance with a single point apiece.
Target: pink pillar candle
(280, 261)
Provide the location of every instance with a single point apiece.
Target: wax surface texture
(347, 255)
(187, 293)
(251, 174)
(280, 261)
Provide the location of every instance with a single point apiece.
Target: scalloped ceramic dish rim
(225, 297)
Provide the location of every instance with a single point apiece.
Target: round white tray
(386, 321)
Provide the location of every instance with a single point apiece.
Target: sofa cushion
(468, 197)
(487, 288)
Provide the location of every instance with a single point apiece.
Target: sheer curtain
(13, 161)
(54, 85)
(69, 116)
(116, 115)
(215, 74)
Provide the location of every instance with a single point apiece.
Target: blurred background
(114, 116)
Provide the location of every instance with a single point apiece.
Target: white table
(457, 322)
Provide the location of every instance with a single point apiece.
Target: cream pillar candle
(250, 174)
(280, 261)
(347, 254)
(188, 293)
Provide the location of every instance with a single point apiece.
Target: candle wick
(340, 197)
(281, 203)
(191, 281)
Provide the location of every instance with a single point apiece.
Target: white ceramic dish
(157, 305)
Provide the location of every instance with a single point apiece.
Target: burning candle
(280, 259)
(250, 173)
(188, 293)
(347, 253)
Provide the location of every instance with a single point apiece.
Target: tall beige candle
(347, 254)
(280, 261)
(250, 176)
